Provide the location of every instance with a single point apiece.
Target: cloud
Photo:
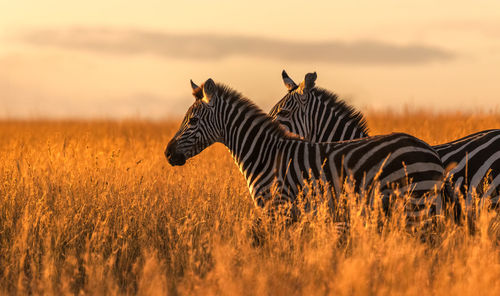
(214, 47)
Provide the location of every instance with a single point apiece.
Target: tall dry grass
(93, 208)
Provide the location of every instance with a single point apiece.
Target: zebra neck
(252, 140)
(328, 126)
(330, 119)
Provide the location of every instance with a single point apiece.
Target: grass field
(93, 208)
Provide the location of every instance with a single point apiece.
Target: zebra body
(475, 162)
(274, 162)
(318, 115)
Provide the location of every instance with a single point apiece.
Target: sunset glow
(127, 59)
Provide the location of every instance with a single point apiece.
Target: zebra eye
(193, 121)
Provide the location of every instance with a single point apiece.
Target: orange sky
(129, 58)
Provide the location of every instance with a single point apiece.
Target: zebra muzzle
(173, 157)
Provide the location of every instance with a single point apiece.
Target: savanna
(93, 208)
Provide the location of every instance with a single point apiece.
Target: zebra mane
(333, 101)
(232, 96)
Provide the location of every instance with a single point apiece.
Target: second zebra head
(316, 114)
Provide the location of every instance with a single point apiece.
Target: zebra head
(291, 110)
(198, 129)
(316, 114)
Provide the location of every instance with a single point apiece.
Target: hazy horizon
(134, 59)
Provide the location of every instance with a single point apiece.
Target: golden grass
(94, 208)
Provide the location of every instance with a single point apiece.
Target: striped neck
(252, 137)
(330, 119)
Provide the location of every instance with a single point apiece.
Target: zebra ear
(197, 93)
(208, 91)
(309, 82)
(289, 83)
(193, 85)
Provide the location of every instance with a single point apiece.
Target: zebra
(318, 115)
(277, 165)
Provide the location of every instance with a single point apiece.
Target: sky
(119, 59)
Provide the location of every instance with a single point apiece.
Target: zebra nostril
(168, 154)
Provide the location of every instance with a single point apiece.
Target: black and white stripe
(273, 161)
(476, 165)
(319, 116)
